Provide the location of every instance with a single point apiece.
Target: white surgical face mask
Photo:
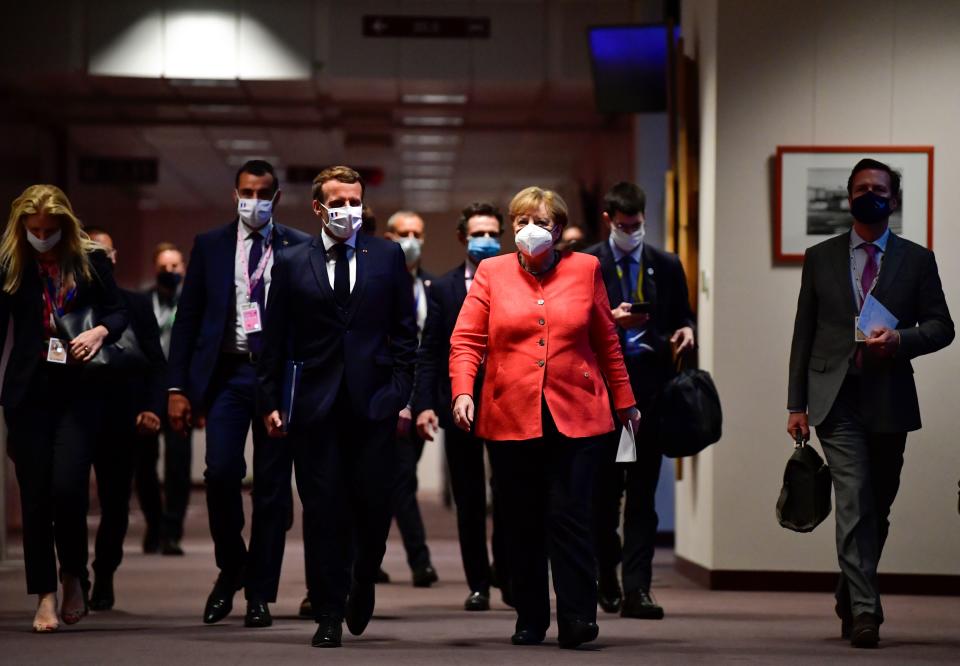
(627, 242)
(255, 213)
(343, 221)
(533, 240)
(411, 249)
(46, 245)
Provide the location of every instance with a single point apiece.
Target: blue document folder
(291, 383)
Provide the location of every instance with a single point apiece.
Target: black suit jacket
(432, 385)
(207, 305)
(25, 307)
(823, 343)
(147, 388)
(369, 346)
(665, 286)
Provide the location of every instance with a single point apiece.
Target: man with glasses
(647, 289)
(479, 231)
(215, 344)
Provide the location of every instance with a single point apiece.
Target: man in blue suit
(216, 341)
(344, 309)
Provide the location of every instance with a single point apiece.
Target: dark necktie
(626, 262)
(257, 293)
(870, 269)
(341, 274)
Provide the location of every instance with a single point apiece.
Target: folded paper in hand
(874, 315)
(291, 382)
(627, 451)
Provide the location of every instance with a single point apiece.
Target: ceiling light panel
(434, 99)
(433, 121)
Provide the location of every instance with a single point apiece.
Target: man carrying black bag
(869, 302)
(647, 290)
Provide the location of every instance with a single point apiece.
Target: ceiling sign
(117, 171)
(444, 27)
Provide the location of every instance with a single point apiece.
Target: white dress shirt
(238, 343)
(351, 243)
(469, 269)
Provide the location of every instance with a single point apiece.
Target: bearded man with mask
(216, 342)
(337, 367)
(647, 290)
(407, 229)
(165, 512)
(856, 386)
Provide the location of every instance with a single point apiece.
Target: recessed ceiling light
(253, 145)
(428, 156)
(433, 121)
(430, 140)
(426, 183)
(434, 99)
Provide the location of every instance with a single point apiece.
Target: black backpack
(804, 499)
(690, 418)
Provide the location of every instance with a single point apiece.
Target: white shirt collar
(619, 254)
(329, 241)
(469, 269)
(856, 241)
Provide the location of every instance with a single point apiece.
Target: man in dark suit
(407, 229)
(856, 386)
(216, 342)
(652, 333)
(136, 398)
(479, 229)
(164, 512)
(344, 309)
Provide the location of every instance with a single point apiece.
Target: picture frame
(811, 203)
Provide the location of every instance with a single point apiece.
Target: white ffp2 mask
(45, 244)
(533, 240)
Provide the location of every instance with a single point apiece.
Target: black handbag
(123, 354)
(804, 500)
(690, 417)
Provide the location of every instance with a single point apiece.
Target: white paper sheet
(627, 451)
(874, 315)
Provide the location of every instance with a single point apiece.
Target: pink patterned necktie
(870, 270)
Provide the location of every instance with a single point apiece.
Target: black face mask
(870, 208)
(168, 280)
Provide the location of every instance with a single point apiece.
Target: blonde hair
(74, 244)
(530, 198)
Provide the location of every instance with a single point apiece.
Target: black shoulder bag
(804, 499)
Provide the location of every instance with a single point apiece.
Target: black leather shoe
(640, 605)
(425, 576)
(220, 601)
(575, 633)
(846, 620)
(382, 576)
(359, 607)
(258, 615)
(608, 592)
(329, 632)
(865, 632)
(306, 609)
(102, 597)
(151, 543)
(527, 637)
(477, 601)
(171, 547)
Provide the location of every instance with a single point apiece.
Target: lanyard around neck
(638, 296)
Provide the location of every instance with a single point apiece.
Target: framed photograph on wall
(811, 194)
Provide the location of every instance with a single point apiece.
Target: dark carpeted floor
(160, 599)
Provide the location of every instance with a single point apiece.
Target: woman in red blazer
(540, 322)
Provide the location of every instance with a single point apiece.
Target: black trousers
(115, 453)
(547, 486)
(231, 414)
(165, 511)
(865, 467)
(468, 480)
(638, 481)
(49, 439)
(406, 510)
(345, 468)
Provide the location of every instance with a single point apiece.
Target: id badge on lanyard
(250, 316)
